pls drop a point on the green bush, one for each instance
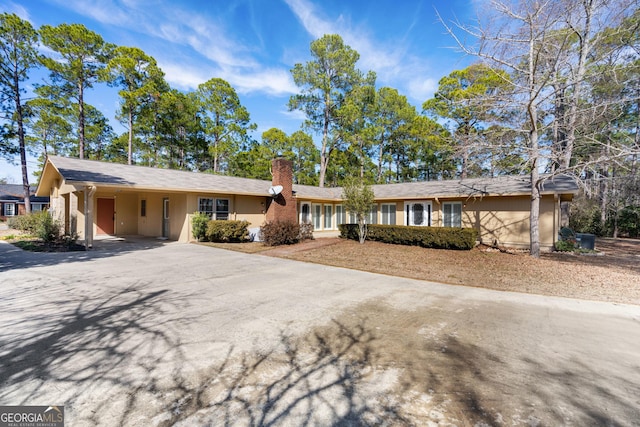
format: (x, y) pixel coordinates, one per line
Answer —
(565, 246)
(47, 229)
(280, 233)
(39, 224)
(199, 222)
(629, 221)
(227, 231)
(28, 223)
(426, 237)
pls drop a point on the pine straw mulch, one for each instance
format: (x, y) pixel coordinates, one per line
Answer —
(612, 275)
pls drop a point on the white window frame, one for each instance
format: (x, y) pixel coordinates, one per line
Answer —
(316, 216)
(36, 207)
(341, 216)
(328, 217)
(427, 212)
(5, 208)
(222, 214)
(385, 217)
(372, 216)
(304, 220)
(211, 201)
(214, 211)
(449, 218)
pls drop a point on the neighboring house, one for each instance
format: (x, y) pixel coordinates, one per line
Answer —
(12, 201)
(97, 198)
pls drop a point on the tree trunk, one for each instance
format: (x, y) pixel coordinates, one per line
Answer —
(81, 120)
(380, 154)
(324, 153)
(23, 151)
(130, 148)
(584, 50)
(532, 112)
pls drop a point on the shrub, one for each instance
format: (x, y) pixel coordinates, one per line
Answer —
(199, 222)
(47, 229)
(306, 232)
(27, 223)
(565, 246)
(280, 233)
(426, 237)
(69, 240)
(228, 231)
(39, 224)
(629, 221)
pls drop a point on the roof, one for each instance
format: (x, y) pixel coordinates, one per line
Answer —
(91, 172)
(15, 193)
(474, 187)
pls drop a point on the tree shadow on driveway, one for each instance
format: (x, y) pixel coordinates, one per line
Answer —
(375, 365)
(119, 357)
(14, 258)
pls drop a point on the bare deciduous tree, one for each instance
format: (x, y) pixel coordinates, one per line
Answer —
(545, 46)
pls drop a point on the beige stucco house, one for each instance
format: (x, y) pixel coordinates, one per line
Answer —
(97, 198)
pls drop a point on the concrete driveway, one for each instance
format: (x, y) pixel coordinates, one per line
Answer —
(153, 333)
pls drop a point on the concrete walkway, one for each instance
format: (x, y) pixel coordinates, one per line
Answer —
(157, 333)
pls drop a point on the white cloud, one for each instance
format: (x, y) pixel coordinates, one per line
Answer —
(223, 56)
(306, 13)
(421, 89)
(21, 11)
(103, 11)
(393, 65)
(270, 81)
(294, 115)
(182, 76)
(274, 82)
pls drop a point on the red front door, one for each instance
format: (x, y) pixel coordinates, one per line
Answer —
(106, 216)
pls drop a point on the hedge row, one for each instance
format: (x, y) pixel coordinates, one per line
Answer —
(227, 231)
(426, 237)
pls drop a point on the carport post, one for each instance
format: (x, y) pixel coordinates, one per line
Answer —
(89, 191)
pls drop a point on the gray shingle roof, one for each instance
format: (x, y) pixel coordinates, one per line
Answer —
(90, 172)
(76, 171)
(14, 193)
(499, 186)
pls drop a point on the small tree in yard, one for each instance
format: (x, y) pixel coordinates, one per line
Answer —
(358, 198)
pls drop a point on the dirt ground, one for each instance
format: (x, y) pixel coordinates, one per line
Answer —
(612, 275)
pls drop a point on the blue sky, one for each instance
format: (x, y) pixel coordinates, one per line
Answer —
(253, 44)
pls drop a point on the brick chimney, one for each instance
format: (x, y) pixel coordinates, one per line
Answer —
(283, 206)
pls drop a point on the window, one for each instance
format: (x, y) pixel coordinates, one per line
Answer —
(388, 213)
(452, 214)
(372, 218)
(205, 205)
(317, 217)
(9, 209)
(36, 207)
(305, 213)
(143, 207)
(341, 215)
(328, 216)
(418, 213)
(222, 209)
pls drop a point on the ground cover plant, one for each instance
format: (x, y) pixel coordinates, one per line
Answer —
(39, 232)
